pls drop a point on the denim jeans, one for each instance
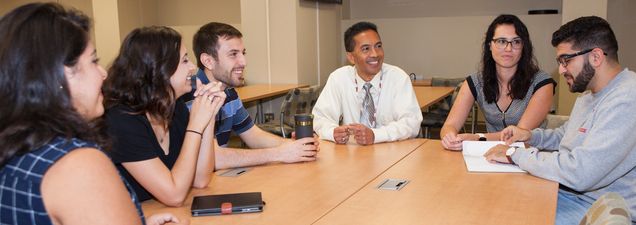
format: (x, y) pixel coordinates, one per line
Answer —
(570, 208)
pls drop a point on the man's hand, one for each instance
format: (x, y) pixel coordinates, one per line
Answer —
(362, 134)
(341, 134)
(497, 154)
(301, 150)
(513, 134)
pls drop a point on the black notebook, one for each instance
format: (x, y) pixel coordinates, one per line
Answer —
(227, 204)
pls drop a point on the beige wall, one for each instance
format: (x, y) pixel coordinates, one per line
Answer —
(620, 14)
(82, 5)
(290, 41)
(107, 40)
(330, 43)
(451, 46)
(255, 22)
(134, 14)
(447, 8)
(86, 6)
(299, 39)
(190, 12)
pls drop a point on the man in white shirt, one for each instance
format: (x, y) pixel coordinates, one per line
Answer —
(371, 101)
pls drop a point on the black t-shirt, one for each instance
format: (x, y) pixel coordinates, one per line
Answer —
(134, 140)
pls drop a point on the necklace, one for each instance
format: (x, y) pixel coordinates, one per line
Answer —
(161, 132)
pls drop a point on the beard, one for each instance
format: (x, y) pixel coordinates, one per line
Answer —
(580, 83)
(225, 77)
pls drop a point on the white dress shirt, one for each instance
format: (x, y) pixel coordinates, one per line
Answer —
(398, 115)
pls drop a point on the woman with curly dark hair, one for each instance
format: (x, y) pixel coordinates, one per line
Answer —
(51, 159)
(161, 148)
(509, 88)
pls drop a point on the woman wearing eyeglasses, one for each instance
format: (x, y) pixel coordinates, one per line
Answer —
(509, 88)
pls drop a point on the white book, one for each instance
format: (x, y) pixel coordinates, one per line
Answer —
(474, 151)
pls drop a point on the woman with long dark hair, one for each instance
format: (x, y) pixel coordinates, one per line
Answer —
(51, 159)
(161, 148)
(509, 88)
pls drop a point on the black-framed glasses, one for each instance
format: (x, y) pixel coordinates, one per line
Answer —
(564, 59)
(502, 43)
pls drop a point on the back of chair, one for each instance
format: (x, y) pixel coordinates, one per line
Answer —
(610, 208)
(447, 82)
(298, 101)
(555, 121)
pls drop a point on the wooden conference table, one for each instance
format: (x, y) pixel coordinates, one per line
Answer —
(428, 95)
(259, 92)
(339, 188)
(440, 191)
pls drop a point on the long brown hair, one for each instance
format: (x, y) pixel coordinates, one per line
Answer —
(140, 75)
(526, 67)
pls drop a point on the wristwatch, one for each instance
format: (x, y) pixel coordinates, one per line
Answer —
(482, 137)
(509, 153)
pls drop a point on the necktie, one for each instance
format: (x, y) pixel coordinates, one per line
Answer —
(367, 115)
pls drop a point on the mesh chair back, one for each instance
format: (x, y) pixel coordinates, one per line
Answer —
(555, 121)
(298, 101)
(447, 82)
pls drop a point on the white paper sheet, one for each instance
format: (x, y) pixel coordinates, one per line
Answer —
(474, 151)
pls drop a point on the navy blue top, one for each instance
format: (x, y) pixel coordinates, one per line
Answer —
(21, 180)
(231, 117)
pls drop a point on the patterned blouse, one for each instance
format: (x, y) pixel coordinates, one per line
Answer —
(21, 178)
(497, 119)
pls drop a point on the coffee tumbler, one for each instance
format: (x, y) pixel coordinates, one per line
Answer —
(304, 125)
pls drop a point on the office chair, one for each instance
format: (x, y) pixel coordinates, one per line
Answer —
(296, 101)
(436, 115)
(610, 208)
(555, 121)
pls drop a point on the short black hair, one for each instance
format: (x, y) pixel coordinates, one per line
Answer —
(588, 32)
(355, 29)
(207, 38)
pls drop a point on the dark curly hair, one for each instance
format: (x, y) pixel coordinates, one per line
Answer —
(140, 75)
(526, 67)
(36, 42)
(588, 32)
(355, 29)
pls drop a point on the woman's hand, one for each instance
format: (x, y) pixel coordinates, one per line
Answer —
(207, 102)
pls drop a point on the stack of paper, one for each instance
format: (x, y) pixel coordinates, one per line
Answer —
(476, 162)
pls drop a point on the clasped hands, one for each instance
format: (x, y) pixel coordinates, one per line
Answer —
(362, 134)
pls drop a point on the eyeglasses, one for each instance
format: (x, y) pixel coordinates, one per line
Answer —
(502, 43)
(564, 59)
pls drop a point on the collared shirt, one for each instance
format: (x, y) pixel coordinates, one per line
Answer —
(398, 114)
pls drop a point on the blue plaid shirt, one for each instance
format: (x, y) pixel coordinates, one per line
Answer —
(21, 178)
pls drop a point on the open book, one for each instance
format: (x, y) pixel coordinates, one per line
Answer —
(474, 151)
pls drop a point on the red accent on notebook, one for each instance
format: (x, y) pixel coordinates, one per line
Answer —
(226, 208)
